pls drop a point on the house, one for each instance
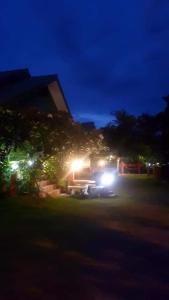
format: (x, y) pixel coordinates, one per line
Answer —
(19, 89)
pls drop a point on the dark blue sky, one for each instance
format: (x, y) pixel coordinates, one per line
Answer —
(109, 54)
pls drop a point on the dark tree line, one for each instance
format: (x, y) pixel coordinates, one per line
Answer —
(145, 137)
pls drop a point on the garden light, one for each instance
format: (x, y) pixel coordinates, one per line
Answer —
(14, 165)
(30, 163)
(76, 165)
(107, 179)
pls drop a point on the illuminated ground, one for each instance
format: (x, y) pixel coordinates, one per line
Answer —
(78, 249)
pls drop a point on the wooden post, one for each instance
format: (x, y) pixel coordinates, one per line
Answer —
(12, 188)
(118, 165)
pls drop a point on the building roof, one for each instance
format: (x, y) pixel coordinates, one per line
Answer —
(11, 77)
(19, 82)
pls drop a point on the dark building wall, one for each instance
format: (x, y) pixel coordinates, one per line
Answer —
(39, 99)
(11, 77)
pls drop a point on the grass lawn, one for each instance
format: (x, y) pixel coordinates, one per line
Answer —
(87, 249)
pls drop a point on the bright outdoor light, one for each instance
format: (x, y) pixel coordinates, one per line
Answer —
(30, 163)
(101, 163)
(76, 165)
(111, 157)
(107, 179)
(14, 165)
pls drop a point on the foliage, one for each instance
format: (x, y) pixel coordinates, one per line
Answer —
(49, 139)
(133, 137)
(163, 121)
(52, 169)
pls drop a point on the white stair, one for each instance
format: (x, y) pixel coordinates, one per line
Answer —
(46, 189)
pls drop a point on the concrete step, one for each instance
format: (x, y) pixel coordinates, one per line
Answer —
(55, 193)
(42, 194)
(48, 188)
(43, 183)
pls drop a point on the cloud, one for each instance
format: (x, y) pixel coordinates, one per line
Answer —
(108, 56)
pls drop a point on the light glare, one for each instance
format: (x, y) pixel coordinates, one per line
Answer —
(107, 179)
(101, 163)
(14, 165)
(30, 163)
(76, 165)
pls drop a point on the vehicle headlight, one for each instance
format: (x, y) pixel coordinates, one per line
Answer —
(107, 179)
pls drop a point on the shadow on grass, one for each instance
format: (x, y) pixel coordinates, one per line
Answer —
(143, 188)
(47, 254)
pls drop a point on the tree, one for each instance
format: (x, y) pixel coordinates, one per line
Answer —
(132, 137)
(14, 130)
(49, 138)
(120, 134)
(163, 121)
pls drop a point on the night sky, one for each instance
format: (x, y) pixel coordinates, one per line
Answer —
(109, 54)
